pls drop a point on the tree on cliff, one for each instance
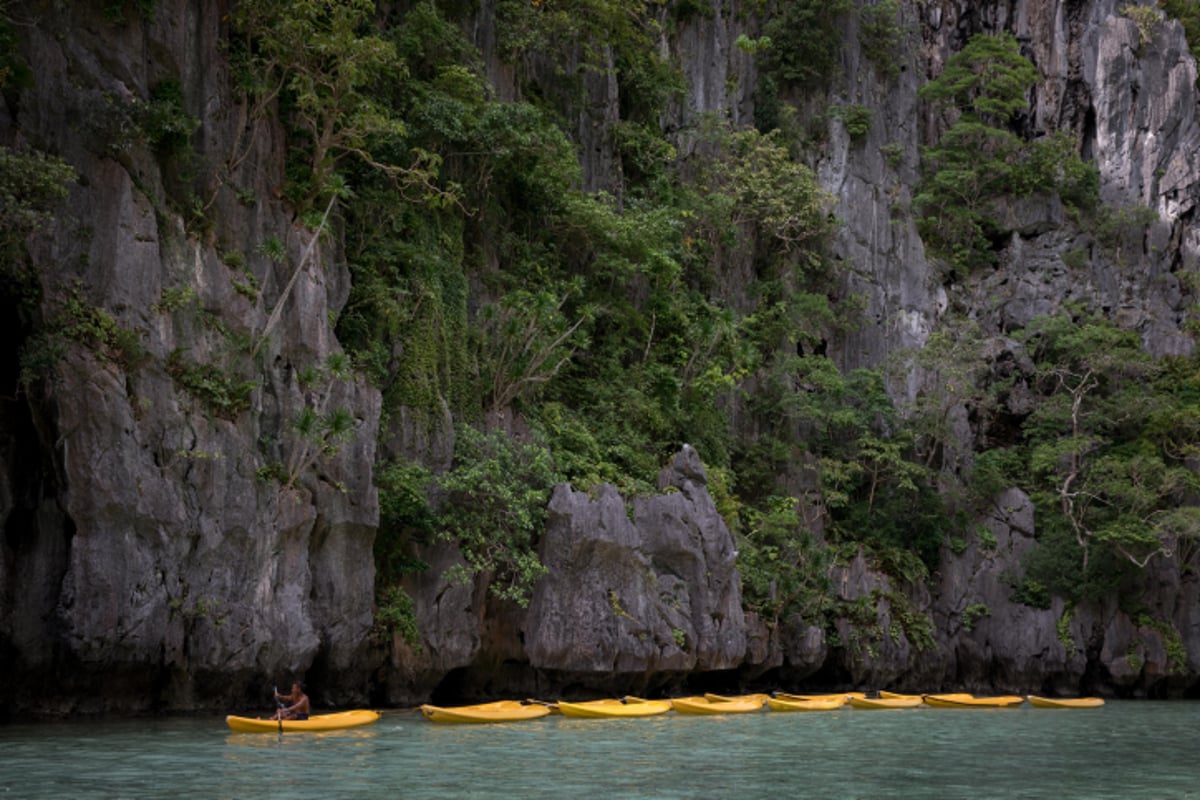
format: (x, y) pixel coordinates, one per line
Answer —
(32, 185)
(494, 507)
(980, 160)
(1109, 443)
(314, 59)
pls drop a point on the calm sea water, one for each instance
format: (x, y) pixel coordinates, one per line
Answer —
(1124, 750)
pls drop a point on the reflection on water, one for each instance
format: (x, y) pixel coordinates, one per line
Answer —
(1124, 750)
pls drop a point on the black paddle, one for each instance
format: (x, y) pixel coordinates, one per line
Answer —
(279, 703)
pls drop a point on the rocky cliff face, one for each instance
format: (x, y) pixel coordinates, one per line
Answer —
(147, 560)
(1130, 104)
(170, 542)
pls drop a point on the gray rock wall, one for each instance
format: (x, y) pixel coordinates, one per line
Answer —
(161, 570)
(655, 591)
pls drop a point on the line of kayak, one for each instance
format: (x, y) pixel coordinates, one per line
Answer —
(627, 707)
(516, 710)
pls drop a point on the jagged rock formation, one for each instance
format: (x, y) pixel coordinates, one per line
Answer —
(627, 595)
(152, 560)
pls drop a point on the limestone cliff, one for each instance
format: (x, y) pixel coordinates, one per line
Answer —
(149, 562)
(173, 541)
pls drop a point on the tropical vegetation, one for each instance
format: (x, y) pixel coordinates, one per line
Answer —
(581, 328)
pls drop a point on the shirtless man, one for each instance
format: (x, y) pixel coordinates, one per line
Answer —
(297, 703)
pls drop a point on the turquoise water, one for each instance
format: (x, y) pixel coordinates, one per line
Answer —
(1124, 750)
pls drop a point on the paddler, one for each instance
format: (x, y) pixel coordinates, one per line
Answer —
(296, 701)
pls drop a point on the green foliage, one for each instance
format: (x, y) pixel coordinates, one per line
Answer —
(32, 187)
(14, 70)
(40, 355)
(405, 518)
(881, 34)
(524, 340)
(1145, 17)
(954, 369)
(1107, 490)
(614, 602)
(405, 323)
(873, 490)
(856, 118)
(319, 431)
(80, 321)
(770, 113)
(752, 46)
(167, 126)
(321, 60)
(893, 154)
(600, 322)
(756, 181)
(1132, 657)
(1188, 14)
(1076, 259)
(1121, 228)
(587, 27)
(994, 471)
(1103, 456)
(590, 450)
(784, 570)
(979, 161)
(273, 249)
(646, 156)
(1176, 650)
(916, 625)
(805, 41)
(862, 615)
(631, 280)
(987, 539)
(202, 608)
(494, 506)
(403, 509)
(680, 637)
(1030, 592)
(972, 614)
(174, 298)
(224, 394)
(395, 613)
(1051, 164)
(1064, 633)
(988, 81)
(248, 287)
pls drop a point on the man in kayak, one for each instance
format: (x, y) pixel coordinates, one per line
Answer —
(297, 703)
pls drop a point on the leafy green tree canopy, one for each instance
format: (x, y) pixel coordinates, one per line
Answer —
(988, 79)
(980, 160)
(1100, 465)
(494, 507)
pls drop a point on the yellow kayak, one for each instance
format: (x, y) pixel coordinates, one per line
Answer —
(317, 722)
(898, 696)
(970, 701)
(499, 711)
(885, 702)
(716, 704)
(1065, 702)
(814, 704)
(825, 696)
(609, 708)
